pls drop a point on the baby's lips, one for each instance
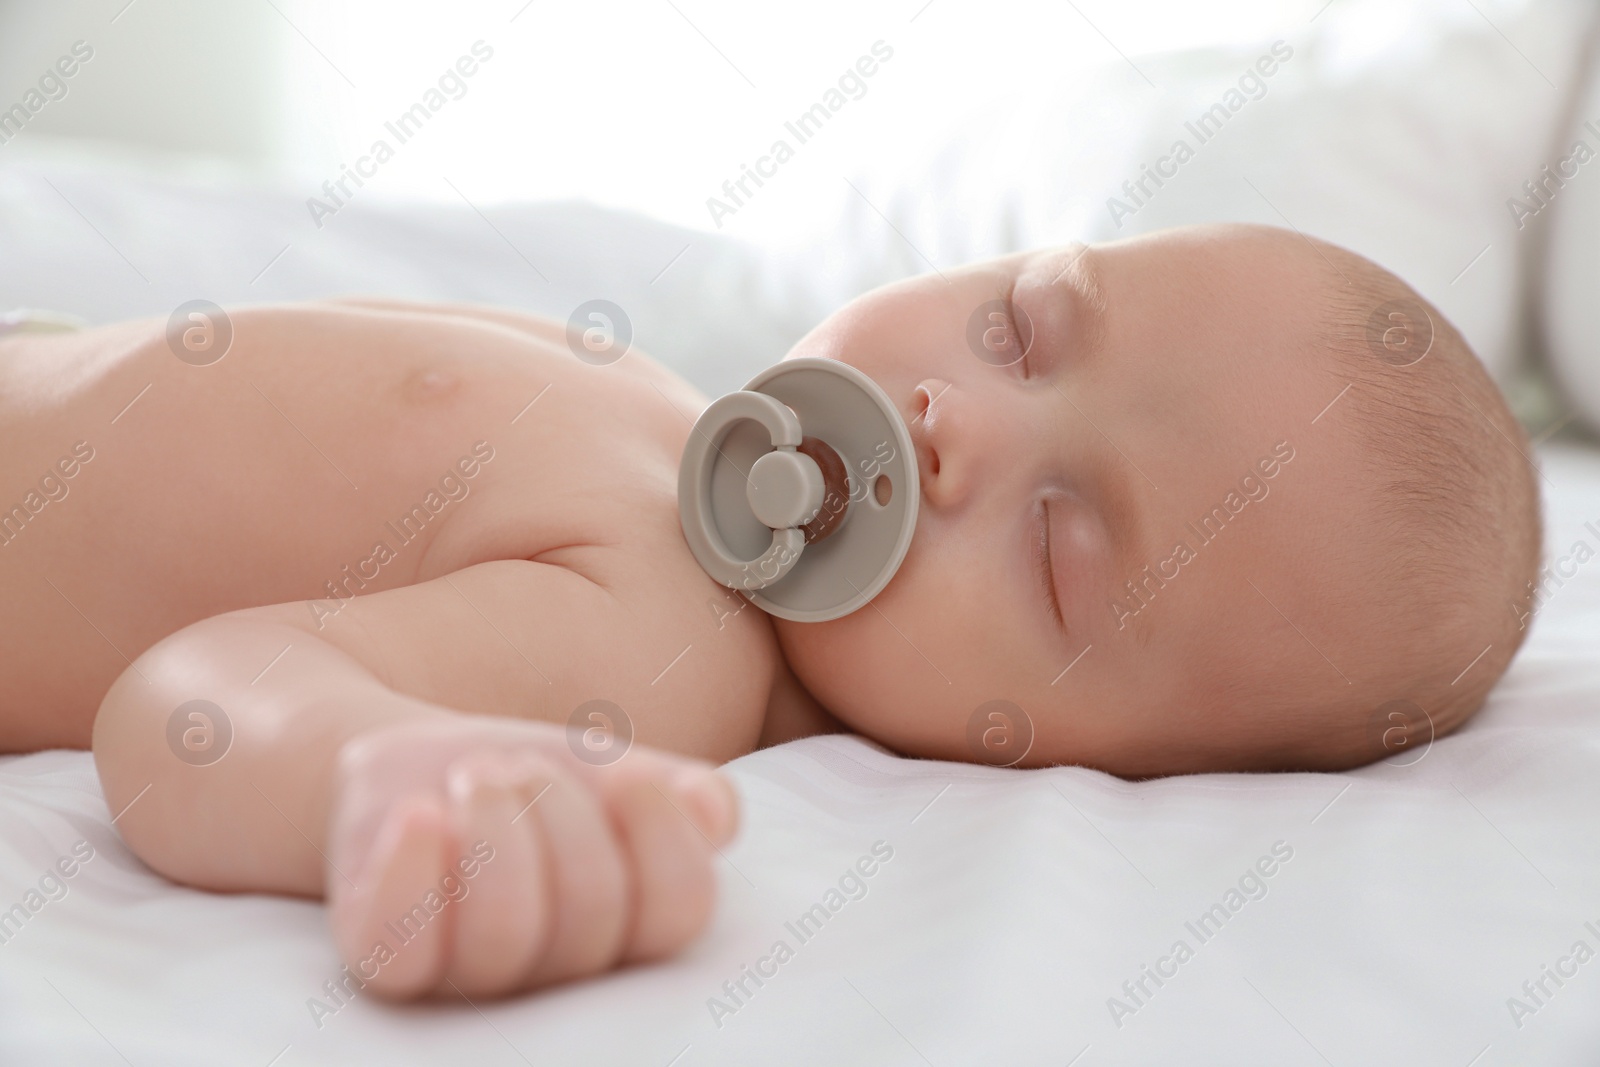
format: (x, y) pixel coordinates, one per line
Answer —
(709, 800)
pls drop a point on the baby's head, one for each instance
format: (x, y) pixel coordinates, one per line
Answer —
(1245, 502)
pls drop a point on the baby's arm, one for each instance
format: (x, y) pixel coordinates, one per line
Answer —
(349, 772)
(673, 388)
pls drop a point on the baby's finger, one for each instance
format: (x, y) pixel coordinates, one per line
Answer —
(384, 929)
(504, 912)
(592, 886)
(671, 860)
(701, 792)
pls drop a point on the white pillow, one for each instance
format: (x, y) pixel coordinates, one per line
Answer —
(1569, 273)
(1395, 130)
(107, 237)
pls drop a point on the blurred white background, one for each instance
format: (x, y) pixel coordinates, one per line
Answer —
(649, 104)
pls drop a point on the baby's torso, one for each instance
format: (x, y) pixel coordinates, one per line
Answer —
(332, 451)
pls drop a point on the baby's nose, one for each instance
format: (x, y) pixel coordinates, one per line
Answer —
(927, 393)
(936, 433)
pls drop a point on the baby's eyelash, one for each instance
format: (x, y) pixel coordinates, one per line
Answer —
(1016, 336)
(1023, 339)
(1041, 561)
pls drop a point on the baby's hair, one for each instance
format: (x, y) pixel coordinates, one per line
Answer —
(1454, 507)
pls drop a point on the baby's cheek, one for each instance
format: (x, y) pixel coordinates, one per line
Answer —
(823, 656)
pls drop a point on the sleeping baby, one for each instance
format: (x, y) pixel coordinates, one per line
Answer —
(351, 598)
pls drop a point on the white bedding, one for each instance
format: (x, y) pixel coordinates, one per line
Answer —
(1416, 901)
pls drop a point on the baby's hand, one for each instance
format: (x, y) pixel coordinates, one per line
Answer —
(482, 857)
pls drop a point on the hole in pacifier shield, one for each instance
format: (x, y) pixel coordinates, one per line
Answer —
(1399, 729)
(199, 732)
(1400, 332)
(199, 333)
(999, 733)
(599, 732)
(999, 333)
(599, 332)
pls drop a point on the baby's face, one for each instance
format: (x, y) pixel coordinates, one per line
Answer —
(1080, 415)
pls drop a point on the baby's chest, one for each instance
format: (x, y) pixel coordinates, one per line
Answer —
(568, 461)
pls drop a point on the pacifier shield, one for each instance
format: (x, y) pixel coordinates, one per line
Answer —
(843, 556)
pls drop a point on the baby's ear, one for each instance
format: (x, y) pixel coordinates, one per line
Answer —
(1399, 728)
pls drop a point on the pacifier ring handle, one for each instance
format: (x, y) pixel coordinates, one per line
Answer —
(694, 486)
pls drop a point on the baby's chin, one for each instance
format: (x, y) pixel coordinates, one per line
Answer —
(837, 671)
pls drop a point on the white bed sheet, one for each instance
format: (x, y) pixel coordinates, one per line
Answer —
(1417, 900)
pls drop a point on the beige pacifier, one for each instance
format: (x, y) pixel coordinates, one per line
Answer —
(801, 490)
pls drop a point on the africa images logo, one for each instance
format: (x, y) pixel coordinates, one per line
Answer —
(805, 126)
(1141, 590)
(1203, 128)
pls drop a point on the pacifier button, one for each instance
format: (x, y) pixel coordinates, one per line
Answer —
(785, 489)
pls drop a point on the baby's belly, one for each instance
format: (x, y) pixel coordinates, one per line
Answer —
(329, 453)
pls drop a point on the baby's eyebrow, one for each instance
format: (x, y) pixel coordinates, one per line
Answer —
(1078, 275)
